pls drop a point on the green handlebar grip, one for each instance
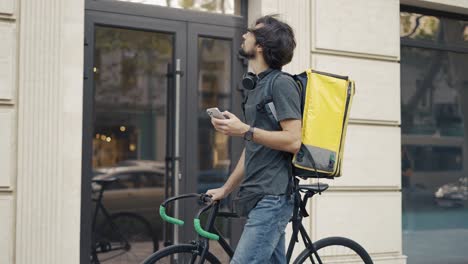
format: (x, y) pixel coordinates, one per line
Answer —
(203, 233)
(165, 217)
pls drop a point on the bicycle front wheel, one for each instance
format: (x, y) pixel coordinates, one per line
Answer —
(179, 254)
(335, 250)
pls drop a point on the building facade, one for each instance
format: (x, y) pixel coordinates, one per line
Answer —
(94, 89)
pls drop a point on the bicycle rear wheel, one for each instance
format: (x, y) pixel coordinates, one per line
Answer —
(130, 241)
(335, 250)
(179, 254)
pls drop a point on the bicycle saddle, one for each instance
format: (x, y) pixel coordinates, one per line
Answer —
(315, 187)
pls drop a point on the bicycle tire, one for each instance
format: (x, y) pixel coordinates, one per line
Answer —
(182, 252)
(328, 254)
(137, 232)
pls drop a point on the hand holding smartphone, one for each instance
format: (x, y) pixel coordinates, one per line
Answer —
(214, 112)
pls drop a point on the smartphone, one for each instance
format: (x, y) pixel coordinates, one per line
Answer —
(214, 112)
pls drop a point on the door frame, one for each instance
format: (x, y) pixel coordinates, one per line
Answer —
(156, 19)
(93, 19)
(168, 13)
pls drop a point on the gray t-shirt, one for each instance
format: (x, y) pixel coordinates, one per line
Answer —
(267, 170)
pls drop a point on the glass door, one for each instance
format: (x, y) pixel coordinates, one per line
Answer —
(214, 71)
(155, 142)
(132, 125)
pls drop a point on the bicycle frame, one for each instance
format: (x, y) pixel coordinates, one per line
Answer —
(202, 243)
(211, 227)
(298, 227)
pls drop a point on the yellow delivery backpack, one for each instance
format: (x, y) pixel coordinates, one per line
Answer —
(325, 103)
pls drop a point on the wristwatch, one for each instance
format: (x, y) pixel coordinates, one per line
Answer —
(249, 134)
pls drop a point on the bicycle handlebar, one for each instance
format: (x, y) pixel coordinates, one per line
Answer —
(170, 219)
(203, 233)
(196, 221)
(165, 217)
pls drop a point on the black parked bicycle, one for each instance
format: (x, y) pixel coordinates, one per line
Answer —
(122, 237)
(326, 250)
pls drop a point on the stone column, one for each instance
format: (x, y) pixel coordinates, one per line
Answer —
(50, 88)
(8, 114)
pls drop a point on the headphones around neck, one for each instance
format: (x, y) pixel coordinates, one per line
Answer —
(249, 80)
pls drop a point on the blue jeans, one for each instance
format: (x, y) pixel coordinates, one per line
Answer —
(263, 238)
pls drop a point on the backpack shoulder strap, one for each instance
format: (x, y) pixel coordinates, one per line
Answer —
(267, 102)
(271, 82)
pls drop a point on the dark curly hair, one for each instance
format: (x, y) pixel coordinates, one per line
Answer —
(277, 40)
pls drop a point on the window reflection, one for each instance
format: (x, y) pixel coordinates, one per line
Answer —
(420, 27)
(465, 32)
(214, 89)
(228, 7)
(130, 95)
(435, 158)
(430, 98)
(130, 84)
(434, 168)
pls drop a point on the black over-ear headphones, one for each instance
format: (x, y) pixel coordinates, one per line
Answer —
(249, 80)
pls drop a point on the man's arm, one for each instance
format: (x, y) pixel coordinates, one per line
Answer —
(288, 139)
(237, 175)
(233, 181)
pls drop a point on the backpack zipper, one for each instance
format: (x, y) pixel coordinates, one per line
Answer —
(348, 98)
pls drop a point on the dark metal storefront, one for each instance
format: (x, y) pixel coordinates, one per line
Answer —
(150, 73)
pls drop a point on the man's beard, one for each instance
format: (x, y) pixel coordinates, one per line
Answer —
(247, 54)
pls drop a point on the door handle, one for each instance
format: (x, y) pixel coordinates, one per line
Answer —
(178, 74)
(177, 174)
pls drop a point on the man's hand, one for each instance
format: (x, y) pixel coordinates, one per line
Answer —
(231, 127)
(217, 194)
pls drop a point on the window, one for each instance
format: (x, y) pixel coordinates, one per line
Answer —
(214, 90)
(227, 7)
(434, 109)
(428, 28)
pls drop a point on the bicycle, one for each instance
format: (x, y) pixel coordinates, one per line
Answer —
(325, 250)
(122, 237)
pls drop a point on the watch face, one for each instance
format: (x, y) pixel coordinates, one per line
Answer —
(249, 134)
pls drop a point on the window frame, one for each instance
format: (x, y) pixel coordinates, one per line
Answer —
(169, 13)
